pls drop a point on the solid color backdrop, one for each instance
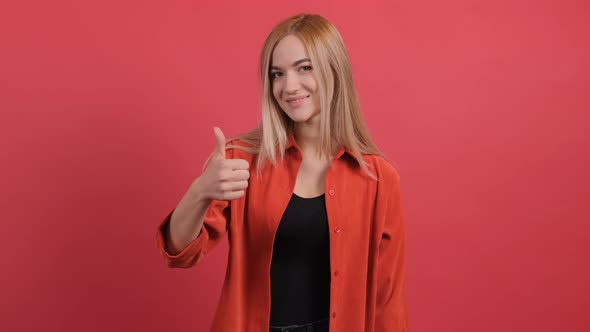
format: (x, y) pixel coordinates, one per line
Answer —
(107, 109)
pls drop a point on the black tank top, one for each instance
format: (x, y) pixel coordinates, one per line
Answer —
(300, 267)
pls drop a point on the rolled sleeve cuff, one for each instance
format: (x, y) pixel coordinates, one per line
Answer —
(190, 255)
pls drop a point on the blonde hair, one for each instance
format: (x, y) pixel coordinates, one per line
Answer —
(341, 121)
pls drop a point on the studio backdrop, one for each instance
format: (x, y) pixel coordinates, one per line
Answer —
(106, 117)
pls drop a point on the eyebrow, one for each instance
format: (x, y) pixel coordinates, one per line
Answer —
(296, 63)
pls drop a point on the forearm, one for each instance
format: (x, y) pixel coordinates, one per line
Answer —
(186, 220)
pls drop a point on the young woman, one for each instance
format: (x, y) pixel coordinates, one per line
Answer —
(316, 233)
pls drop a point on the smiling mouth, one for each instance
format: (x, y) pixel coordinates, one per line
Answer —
(297, 102)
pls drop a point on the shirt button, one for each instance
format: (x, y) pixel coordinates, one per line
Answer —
(333, 315)
(338, 230)
(331, 192)
(336, 273)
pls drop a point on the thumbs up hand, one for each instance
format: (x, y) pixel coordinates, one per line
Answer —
(222, 179)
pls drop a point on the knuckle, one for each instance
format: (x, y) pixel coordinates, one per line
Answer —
(225, 175)
(219, 187)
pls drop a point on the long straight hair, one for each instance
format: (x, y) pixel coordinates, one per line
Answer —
(341, 121)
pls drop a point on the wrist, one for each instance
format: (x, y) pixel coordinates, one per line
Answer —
(197, 194)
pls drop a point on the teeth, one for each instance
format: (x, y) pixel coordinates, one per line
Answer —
(290, 101)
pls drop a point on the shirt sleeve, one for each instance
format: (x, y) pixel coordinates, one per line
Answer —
(391, 308)
(214, 228)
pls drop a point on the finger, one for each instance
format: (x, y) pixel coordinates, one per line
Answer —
(236, 164)
(239, 185)
(206, 163)
(240, 175)
(233, 185)
(231, 195)
(219, 142)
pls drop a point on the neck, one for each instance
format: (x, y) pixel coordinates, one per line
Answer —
(307, 135)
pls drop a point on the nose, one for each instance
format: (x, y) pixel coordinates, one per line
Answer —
(292, 83)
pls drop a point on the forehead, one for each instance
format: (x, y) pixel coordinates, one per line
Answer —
(288, 50)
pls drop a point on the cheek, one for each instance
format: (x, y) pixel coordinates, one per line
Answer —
(312, 84)
(276, 92)
(312, 87)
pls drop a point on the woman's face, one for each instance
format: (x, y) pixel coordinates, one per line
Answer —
(293, 80)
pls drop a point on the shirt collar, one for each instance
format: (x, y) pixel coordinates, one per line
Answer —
(291, 142)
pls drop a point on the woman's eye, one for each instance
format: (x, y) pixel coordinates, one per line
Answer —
(275, 74)
(306, 68)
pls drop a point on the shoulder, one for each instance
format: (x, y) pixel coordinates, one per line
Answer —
(238, 149)
(237, 142)
(383, 169)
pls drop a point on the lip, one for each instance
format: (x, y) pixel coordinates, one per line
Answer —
(296, 102)
(290, 99)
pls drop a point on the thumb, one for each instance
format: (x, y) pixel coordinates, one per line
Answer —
(219, 143)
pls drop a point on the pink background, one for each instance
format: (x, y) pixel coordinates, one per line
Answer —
(106, 116)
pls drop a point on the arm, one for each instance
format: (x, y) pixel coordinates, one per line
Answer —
(201, 218)
(391, 308)
(191, 230)
(186, 220)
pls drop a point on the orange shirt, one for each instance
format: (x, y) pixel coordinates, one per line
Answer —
(367, 243)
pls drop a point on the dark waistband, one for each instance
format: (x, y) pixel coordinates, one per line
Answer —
(309, 327)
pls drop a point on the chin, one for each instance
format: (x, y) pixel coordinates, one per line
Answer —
(300, 115)
(298, 118)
